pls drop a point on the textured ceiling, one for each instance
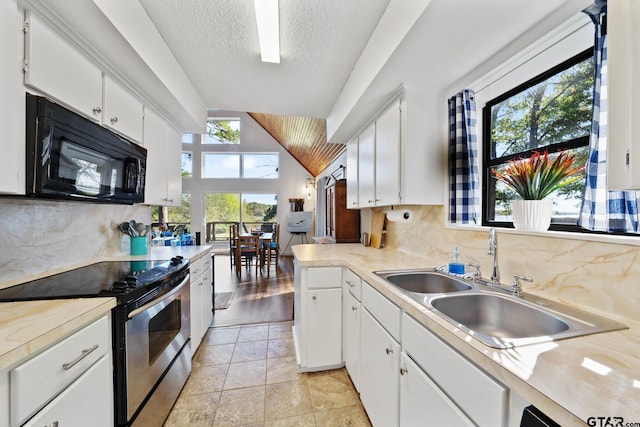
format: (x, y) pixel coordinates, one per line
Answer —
(216, 42)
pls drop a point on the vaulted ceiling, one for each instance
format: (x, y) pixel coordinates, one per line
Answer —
(341, 59)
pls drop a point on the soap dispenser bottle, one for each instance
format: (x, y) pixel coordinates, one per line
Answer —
(455, 266)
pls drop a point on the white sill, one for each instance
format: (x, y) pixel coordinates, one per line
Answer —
(601, 238)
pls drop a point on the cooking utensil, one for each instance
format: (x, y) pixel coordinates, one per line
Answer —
(133, 232)
(124, 227)
(141, 229)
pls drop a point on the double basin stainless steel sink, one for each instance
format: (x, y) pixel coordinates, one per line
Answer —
(491, 314)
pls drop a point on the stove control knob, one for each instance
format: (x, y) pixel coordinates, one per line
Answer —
(119, 284)
(176, 260)
(131, 281)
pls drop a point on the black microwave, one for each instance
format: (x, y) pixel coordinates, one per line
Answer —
(72, 158)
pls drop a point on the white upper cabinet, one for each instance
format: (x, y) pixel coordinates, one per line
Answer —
(163, 185)
(623, 160)
(58, 69)
(352, 174)
(388, 156)
(400, 154)
(11, 102)
(122, 111)
(366, 166)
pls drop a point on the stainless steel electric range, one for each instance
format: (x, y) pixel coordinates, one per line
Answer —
(150, 323)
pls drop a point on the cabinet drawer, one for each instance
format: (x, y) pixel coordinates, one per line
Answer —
(352, 282)
(86, 402)
(324, 277)
(199, 267)
(479, 395)
(385, 312)
(38, 380)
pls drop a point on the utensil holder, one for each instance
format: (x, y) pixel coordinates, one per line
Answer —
(139, 245)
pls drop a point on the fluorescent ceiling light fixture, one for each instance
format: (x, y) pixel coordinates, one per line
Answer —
(268, 21)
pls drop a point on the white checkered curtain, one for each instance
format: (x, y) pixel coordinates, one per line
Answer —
(603, 210)
(464, 180)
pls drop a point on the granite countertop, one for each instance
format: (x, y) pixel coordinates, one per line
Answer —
(570, 380)
(30, 326)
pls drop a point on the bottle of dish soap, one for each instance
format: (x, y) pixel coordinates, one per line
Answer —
(455, 266)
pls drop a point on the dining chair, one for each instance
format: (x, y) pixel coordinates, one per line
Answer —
(247, 251)
(270, 250)
(233, 237)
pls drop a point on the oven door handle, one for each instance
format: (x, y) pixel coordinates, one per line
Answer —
(160, 300)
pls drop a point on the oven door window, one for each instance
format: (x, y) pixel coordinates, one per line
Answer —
(163, 328)
(90, 172)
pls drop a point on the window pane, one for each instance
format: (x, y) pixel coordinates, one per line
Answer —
(557, 109)
(221, 209)
(187, 138)
(258, 209)
(187, 164)
(180, 215)
(220, 165)
(221, 131)
(260, 166)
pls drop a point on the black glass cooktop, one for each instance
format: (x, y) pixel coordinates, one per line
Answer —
(123, 279)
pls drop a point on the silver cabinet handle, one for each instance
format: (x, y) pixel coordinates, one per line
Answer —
(114, 120)
(96, 110)
(85, 353)
(350, 283)
(403, 371)
(388, 350)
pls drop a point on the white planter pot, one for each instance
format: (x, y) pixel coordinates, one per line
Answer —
(532, 215)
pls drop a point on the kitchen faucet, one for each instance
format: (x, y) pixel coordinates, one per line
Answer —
(493, 250)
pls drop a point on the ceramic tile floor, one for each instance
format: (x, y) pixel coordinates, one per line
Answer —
(247, 376)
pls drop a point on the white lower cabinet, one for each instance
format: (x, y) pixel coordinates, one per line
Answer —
(483, 399)
(200, 272)
(317, 318)
(422, 402)
(83, 403)
(68, 384)
(351, 309)
(379, 367)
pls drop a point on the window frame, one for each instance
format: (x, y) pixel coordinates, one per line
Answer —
(488, 198)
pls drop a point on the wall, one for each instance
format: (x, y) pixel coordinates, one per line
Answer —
(598, 276)
(40, 236)
(253, 139)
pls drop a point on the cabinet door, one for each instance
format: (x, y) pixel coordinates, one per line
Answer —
(174, 167)
(122, 111)
(380, 359)
(12, 109)
(366, 166)
(623, 28)
(422, 402)
(86, 402)
(351, 336)
(155, 140)
(387, 156)
(196, 315)
(324, 327)
(206, 283)
(57, 68)
(352, 174)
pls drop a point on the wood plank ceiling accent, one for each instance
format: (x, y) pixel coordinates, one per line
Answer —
(305, 138)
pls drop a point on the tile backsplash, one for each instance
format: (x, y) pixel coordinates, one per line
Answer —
(600, 277)
(40, 236)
